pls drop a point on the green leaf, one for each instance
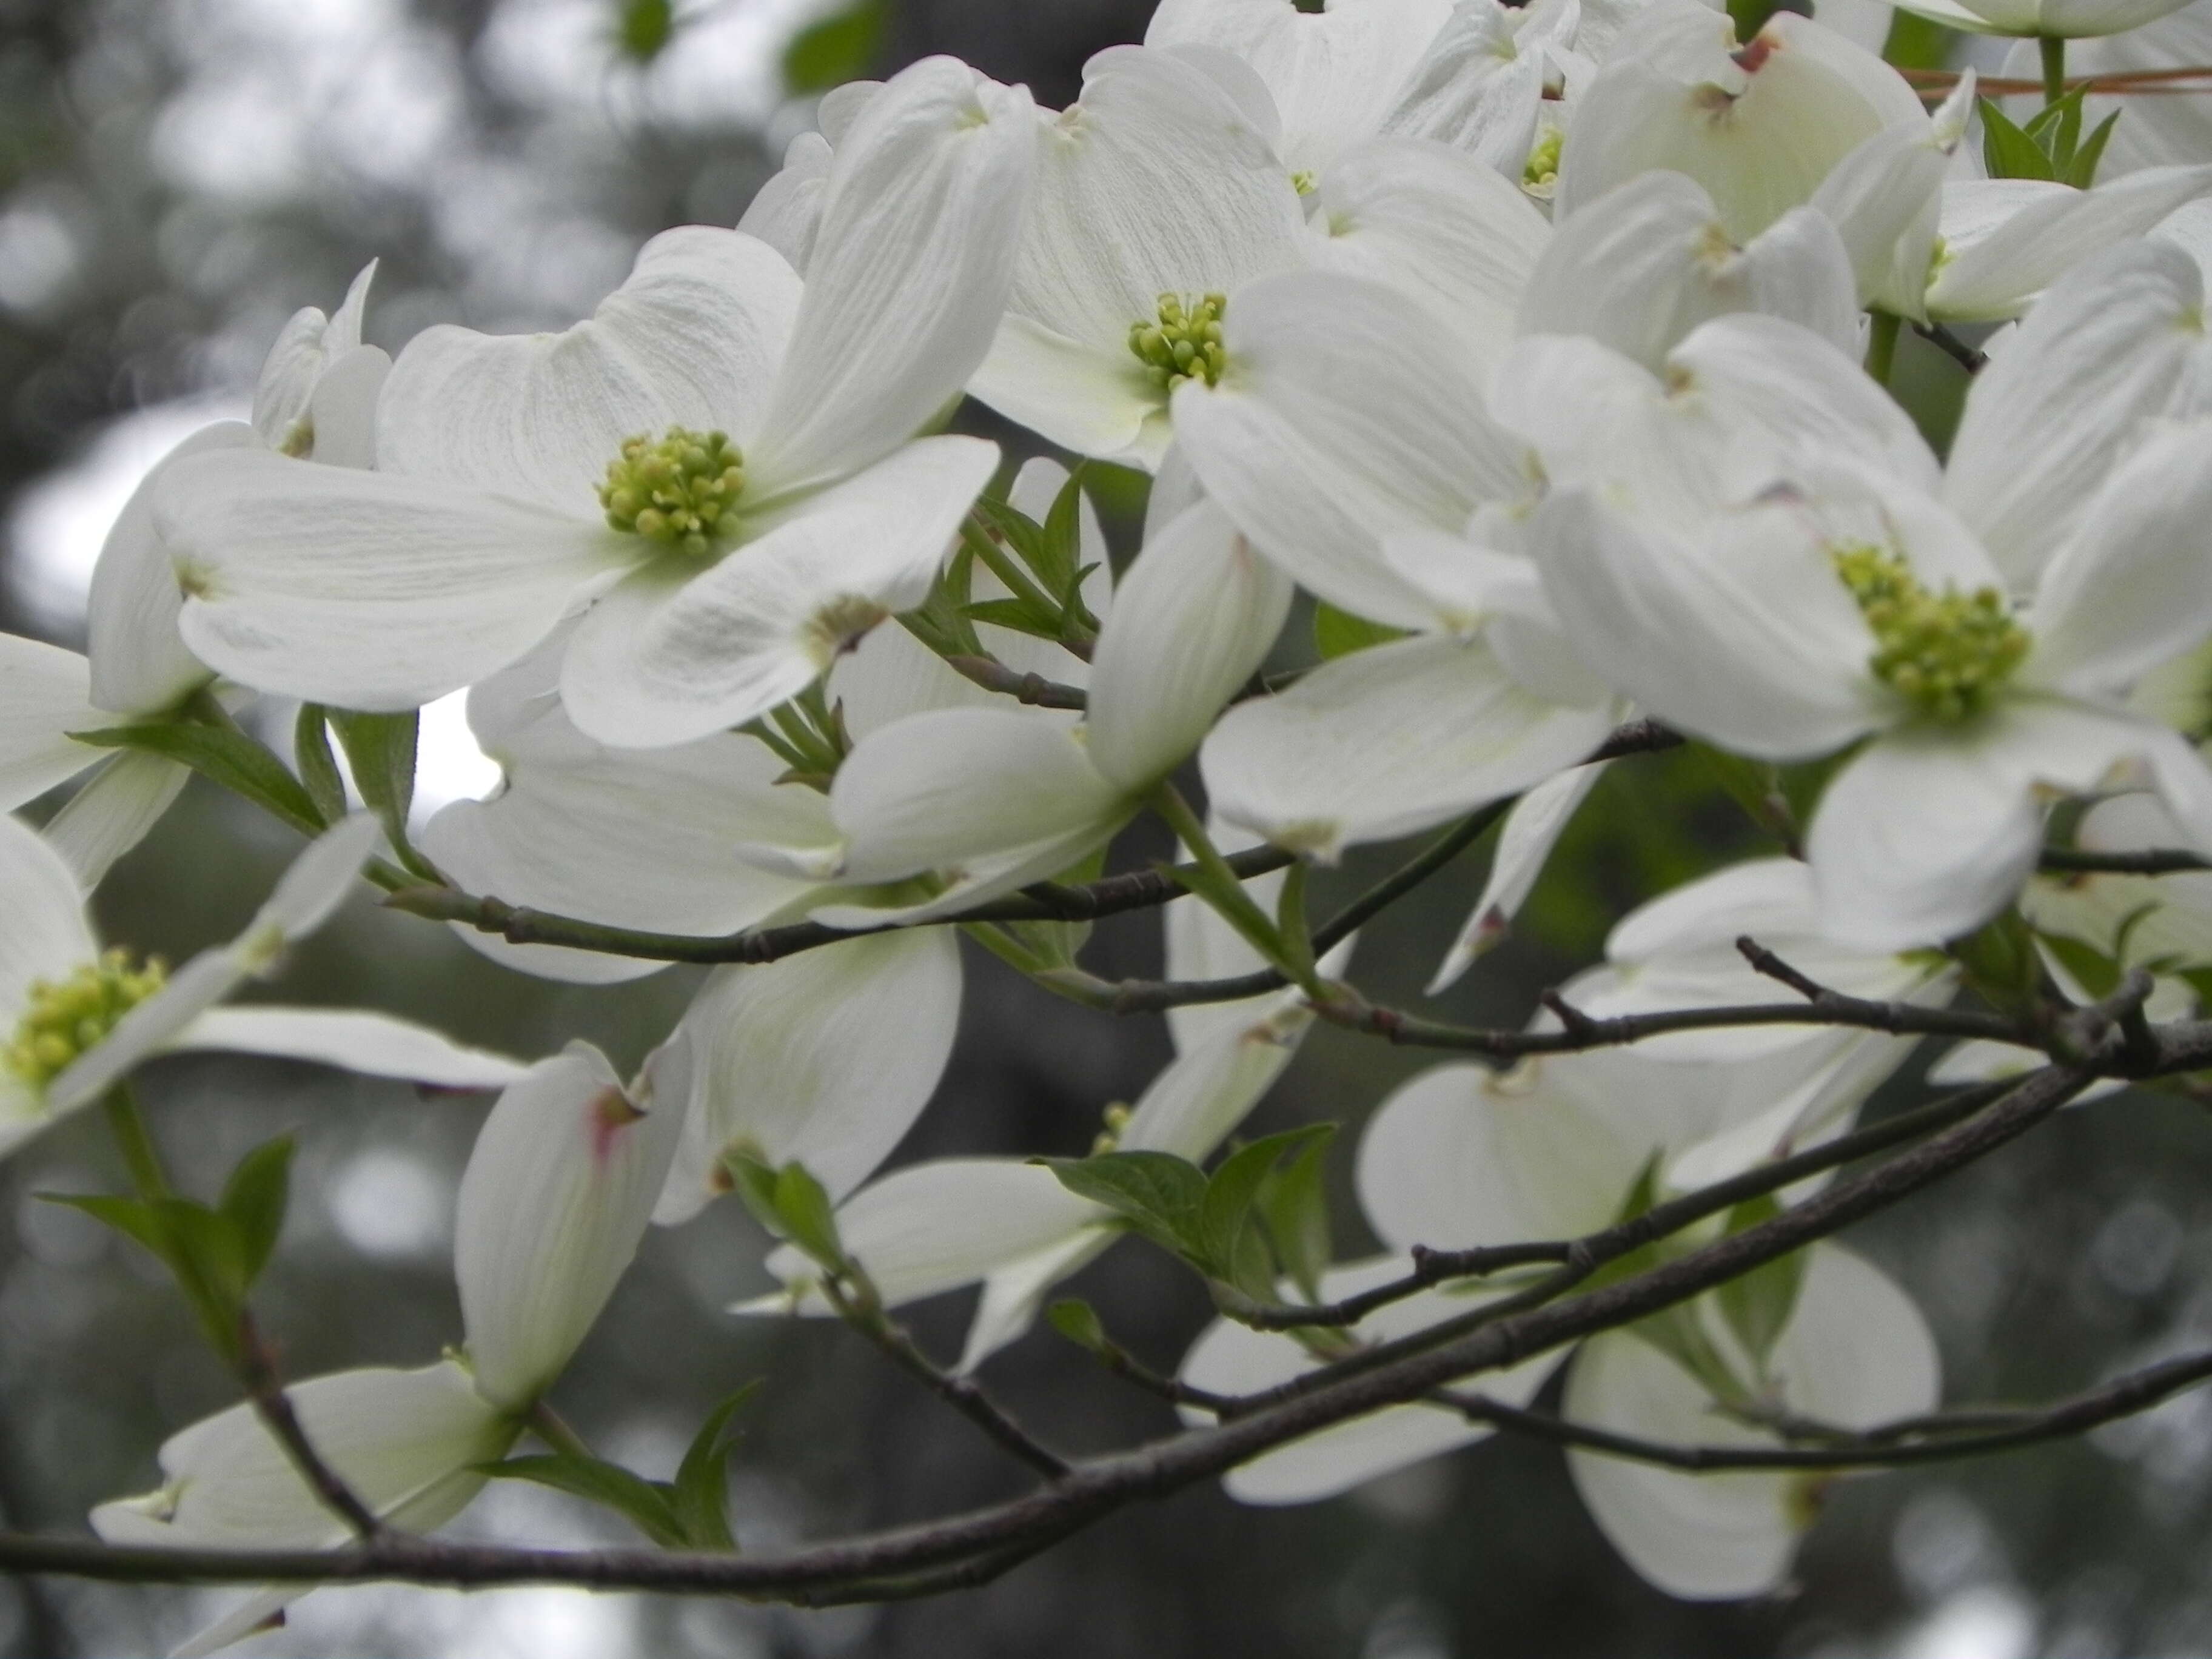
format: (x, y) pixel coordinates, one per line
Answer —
(2097, 973)
(2057, 129)
(1079, 1322)
(319, 766)
(1230, 1194)
(809, 1219)
(2008, 152)
(1339, 633)
(1156, 1193)
(701, 1488)
(1063, 551)
(380, 749)
(130, 1217)
(647, 1504)
(1916, 42)
(1758, 1304)
(2081, 173)
(226, 755)
(1293, 1206)
(253, 1202)
(1020, 615)
(644, 28)
(2001, 962)
(841, 47)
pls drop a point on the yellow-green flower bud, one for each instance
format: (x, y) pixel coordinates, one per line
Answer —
(1541, 175)
(682, 490)
(65, 1017)
(1948, 654)
(1183, 342)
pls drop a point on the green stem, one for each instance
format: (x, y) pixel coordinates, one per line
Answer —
(125, 1123)
(1882, 344)
(1223, 889)
(550, 1426)
(2053, 48)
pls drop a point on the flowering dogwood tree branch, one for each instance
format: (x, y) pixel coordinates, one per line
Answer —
(1492, 1337)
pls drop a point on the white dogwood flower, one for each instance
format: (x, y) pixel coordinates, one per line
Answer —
(557, 1192)
(1460, 1157)
(1010, 1224)
(1759, 551)
(79, 1018)
(722, 459)
(1161, 194)
(2044, 19)
(1353, 448)
(985, 800)
(316, 399)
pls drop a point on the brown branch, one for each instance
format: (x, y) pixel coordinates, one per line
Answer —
(1140, 889)
(1579, 1031)
(1045, 901)
(1353, 1387)
(1936, 1437)
(864, 1312)
(1432, 1267)
(257, 1370)
(2161, 862)
(1032, 688)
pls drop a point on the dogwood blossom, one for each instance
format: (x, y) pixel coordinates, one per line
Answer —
(80, 1018)
(557, 1192)
(1879, 612)
(722, 460)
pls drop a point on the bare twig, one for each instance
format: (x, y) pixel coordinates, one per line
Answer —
(256, 1371)
(1938, 1437)
(1046, 901)
(2162, 861)
(864, 1313)
(1032, 688)
(964, 1546)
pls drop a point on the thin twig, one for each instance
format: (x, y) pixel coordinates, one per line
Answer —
(1353, 1387)
(1936, 1437)
(864, 1313)
(1580, 1032)
(2162, 861)
(1032, 688)
(1953, 347)
(256, 1371)
(1140, 889)
(1432, 1267)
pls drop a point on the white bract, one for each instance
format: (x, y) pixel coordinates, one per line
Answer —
(80, 1019)
(1460, 1157)
(316, 399)
(1352, 448)
(722, 461)
(1011, 1225)
(2047, 20)
(1760, 551)
(1162, 194)
(557, 1194)
(985, 800)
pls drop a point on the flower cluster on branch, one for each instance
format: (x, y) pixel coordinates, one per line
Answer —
(1539, 355)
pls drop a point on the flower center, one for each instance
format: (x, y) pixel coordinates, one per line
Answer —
(1184, 343)
(681, 491)
(65, 1017)
(1541, 176)
(1948, 653)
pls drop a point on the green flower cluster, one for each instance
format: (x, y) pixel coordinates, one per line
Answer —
(1946, 653)
(682, 491)
(66, 1016)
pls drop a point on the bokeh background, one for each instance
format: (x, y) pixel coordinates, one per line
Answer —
(176, 176)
